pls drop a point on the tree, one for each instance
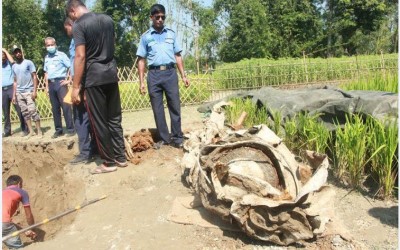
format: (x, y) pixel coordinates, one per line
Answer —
(359, 26)
(55, 17)
(296, 26)
(24, 25)
(131, 20)
(248, 35)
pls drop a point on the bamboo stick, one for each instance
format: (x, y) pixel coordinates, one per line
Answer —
(52, 218)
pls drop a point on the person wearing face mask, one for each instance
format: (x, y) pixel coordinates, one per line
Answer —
(56, 64)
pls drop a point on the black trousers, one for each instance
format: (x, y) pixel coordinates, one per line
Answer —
(158, 83)
(7, 94)
(104, 109)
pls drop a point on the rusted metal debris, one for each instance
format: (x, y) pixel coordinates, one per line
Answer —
(249, 177)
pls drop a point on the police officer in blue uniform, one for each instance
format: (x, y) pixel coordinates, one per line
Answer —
(159, 46)
(56, 64)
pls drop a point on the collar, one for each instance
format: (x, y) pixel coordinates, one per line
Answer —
(13, 186)
(152, 30)
(53, 55)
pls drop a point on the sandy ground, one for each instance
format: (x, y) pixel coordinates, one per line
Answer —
(140, 198)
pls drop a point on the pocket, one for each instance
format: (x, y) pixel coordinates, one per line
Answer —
(169, 40)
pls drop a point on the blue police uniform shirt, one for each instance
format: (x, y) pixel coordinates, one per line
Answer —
(56, 65)
(158, 48)
(7, 74)
(72, 56)
(23, 74)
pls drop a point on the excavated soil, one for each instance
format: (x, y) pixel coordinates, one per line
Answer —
(139, 198)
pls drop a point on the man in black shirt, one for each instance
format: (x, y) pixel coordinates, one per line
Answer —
(96, 68)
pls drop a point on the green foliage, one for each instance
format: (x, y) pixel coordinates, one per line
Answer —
(306, 132)
(131, 20)
(54, 15)
(267, 72)
(24, 25)
(380, 81)
(360, 26)
(255, 115)
(384, 141)
(248, 35)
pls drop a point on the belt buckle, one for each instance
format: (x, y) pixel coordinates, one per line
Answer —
(163, 67)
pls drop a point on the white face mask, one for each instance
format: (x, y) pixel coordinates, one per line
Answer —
(51, 49)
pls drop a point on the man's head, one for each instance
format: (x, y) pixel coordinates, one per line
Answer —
(157, 16)
(17, 52)
(50, 44)
(14, 180)
(68, 26)
(75, 9)
(4, 58)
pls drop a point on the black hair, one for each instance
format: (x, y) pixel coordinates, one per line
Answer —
(73, 4)
(68, 21)
(157, 8)
(13, 180)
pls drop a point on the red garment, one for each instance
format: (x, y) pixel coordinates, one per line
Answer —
(12, 196)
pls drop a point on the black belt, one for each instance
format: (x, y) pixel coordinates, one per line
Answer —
(162, 67)
(7, 87)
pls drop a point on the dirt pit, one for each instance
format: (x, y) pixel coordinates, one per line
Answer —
(140, 198)
(51, 189)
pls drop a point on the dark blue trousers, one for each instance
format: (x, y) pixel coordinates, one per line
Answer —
(158, 83)
(57, 94)
(6, 105)
(86, 141)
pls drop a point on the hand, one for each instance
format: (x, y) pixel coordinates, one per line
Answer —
(31, 234)
(34, 95)
(14, 100)
(186, 81)
(76, 99)
(142, 89)
(64, 82)
(47, 91)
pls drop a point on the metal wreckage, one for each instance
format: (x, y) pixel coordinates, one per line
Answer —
(249, 177)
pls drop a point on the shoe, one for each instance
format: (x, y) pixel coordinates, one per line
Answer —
(159, 144)
(56, 135)
(6, 134)
(70, 134)
(24, 133)
(177, 145)
(79, 159)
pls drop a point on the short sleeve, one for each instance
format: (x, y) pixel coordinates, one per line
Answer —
(45, 67)
(78, 34)
(177, 48)
(25, 198)
(142, 51)
(32, 67)
(66, 61)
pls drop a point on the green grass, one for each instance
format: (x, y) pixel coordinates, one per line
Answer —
(380, 81)
(255, 73)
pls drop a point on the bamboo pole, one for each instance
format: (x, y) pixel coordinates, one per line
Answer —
(53, 218)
